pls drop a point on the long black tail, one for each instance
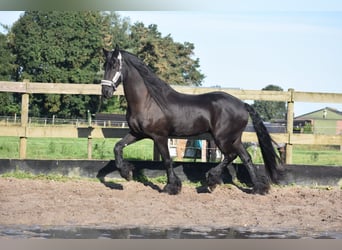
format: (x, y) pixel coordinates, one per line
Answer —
(271, 158)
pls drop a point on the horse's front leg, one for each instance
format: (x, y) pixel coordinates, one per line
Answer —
(174, 184)
(125, 168)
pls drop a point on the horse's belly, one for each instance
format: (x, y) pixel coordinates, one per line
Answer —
(189, 127)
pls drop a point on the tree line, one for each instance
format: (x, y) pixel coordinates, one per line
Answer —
(66, 47)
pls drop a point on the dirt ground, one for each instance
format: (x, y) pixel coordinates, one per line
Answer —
(133, 204)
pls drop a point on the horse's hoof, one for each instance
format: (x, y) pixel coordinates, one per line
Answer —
(126, 174)
(101, 179)
(211, 188)
(212, 181)
(173, 189)
(261, 189)
(126, 171)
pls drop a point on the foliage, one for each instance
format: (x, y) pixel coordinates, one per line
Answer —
(8, 104)
(270, 110)
(66, 47)
(116, 30)
(114, 105)
(8, 101)
(170, 60)
(7, 59)
(58, 47)
(308, 128)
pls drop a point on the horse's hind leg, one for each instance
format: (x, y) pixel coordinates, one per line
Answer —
(214, 175)
(260, 181)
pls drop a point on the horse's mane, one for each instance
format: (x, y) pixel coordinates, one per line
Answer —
(157, 88)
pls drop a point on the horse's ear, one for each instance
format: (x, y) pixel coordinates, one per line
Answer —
(116, 51)
(105, 52)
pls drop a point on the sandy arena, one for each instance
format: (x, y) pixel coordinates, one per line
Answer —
(132, 204)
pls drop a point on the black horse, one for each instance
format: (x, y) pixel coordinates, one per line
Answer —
(157, 111)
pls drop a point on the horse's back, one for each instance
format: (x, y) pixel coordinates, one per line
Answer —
(228, 108)
(194, 114)
(206, 98)
(224, 103)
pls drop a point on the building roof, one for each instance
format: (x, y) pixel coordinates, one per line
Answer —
(324, 113)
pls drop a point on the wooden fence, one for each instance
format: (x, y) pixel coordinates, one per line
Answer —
(289, 138)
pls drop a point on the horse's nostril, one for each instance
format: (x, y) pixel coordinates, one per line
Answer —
(107, 93)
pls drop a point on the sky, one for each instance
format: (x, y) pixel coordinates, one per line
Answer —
(252, 49)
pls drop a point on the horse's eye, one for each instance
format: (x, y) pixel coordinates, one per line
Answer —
(115, 63)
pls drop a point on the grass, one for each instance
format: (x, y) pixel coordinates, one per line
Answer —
(308, 155)
(317, 155)
(9, 147)
(19, 174)
(62, 148)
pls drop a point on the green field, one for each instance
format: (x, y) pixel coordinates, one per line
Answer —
(59, 148)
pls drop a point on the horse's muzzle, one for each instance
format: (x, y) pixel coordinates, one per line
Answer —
(108, 88)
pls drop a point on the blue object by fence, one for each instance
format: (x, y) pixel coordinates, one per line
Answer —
(193, 149)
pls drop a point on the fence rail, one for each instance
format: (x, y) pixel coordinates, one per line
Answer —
(43, 122)
(25, 131)
(95, 89)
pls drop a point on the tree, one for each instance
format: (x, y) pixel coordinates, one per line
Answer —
(116, 30)
(8, 101)
(170, 60)
(66, 47)
(59, 47)
(6, 59)
(270, 110)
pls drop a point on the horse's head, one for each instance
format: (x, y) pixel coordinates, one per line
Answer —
(112, 75)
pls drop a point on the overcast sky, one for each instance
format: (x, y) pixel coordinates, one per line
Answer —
(249, 50)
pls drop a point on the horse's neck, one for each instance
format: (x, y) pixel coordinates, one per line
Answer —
(135, 90)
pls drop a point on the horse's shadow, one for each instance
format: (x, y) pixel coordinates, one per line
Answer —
(103, 172)
(193, 176)
(152, 185)
(112, 185)
(137, 176)
(204, 188)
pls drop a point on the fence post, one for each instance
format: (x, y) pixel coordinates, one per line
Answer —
(289, 127)
(24, 121)
(89, 118)
(90, 148)
(204, 151)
